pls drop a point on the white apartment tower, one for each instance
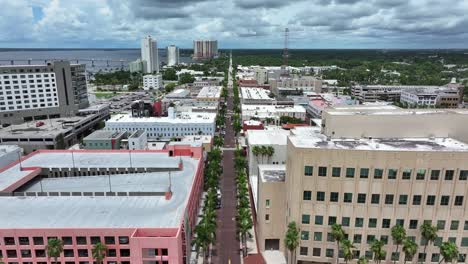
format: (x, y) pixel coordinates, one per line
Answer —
(149, 54)
(172, 55)
(205, 49)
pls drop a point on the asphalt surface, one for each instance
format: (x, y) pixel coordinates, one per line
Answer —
(227, 248)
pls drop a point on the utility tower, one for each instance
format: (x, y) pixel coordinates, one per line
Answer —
(285, 53)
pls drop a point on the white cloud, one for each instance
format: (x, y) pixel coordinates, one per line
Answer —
(239, 23)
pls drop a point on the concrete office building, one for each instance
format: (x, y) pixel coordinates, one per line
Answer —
(103, 139)
(210, 93)
(261, 75)
(296, 85)
(431, 97)
(272, 113)
(138, 140)
(174, 125)
(152, 82)
(205, 49)
(256, 96)
(143, 205)
(363, 172)
(33, 92)
(172, 55)
(149, 55)
(391, 93)
(137, 66)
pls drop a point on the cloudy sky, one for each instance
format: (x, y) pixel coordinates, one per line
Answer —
(235, 23)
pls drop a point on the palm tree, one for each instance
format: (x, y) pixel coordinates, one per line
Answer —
(379, 253)
(338, 235)
(448, 251)
(245, 223)
(429, 233)
(348, 249)
(398, 233)
(292, 240)
(409, 248)
(99, 252)
(270, 151)
(263, 151)
(54, 248)
(205, 235)
(362, 260)
(256, 152)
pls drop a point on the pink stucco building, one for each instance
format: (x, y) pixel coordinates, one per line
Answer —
(141, 204)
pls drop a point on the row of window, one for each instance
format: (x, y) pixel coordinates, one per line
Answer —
(357, 239)
(67, 253)
(391, 174)
(67, 240)
(22, 76)
(385, 223)
(395, 256)
(361, 198)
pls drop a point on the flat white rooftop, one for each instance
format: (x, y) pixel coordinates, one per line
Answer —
(210, 92)
(251, 93)
(272, 108)
(268, 137)
(180, 118)
(272, 173)
(313, 139)
(386, 110)
(100, 211)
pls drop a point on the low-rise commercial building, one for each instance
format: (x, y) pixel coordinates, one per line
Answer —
(143, 205)
(322, 101)
(152, 82)
(103, 139)
(175, 125)
(431, 97)
(256, 96)
(210, 93)
(272, 113)
(138, 140)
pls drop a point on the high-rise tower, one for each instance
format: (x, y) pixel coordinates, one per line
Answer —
(149, 54)
(172, 55)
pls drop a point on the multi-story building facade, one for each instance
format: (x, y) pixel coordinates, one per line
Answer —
(210, 93)
(149, 55)
(442, 97)
(172, 55)
(130, 204)
(152, 82)
(174, 125)
(32, 92)
(272, 113)
(205, 49)
(102, 139)
(137, 66)
(368, 178)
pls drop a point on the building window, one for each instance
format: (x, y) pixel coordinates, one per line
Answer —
(463, 175)
(320, 196)
(329, 252)
(81, 240)
(413, 224)
(24, 240)
(267, 217)
(364, 173)
(109, 240)
(395, 256)
(464, 242)
(82, 252)
(435, 175)
(350, 172)
(359, 222)
(316, 252)
(444, 200)
(449, 175)
(308, 170)
(330, 237)
(384, 239)
(267, 203)
(361, 198)
(458, 200)
(9, 241)
(406, 174)
(317, 236)
(331, 220)
(370, 239)
(307, 195)
(336, 172)
(392, 174)
(417, 199)
(357, 238)
(306, 219)
(375, 198)
(345, 221)
(378, 173)
(304, 235)
(441, 224)
(454, 225)
(334, 196)
(403, 199)
(303, 251)
(348, 198)
(386, 223)
(420, 174)
(435, 257)
(372, 222)
(422, 257)
(430, 200)
(319, 220)
(389, 198)
(322, 171)
(38, 241)
(123, 240)
(67, 240)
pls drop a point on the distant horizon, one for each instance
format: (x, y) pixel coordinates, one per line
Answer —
(223, 49)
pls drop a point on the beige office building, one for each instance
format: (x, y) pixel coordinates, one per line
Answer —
(368, 170)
